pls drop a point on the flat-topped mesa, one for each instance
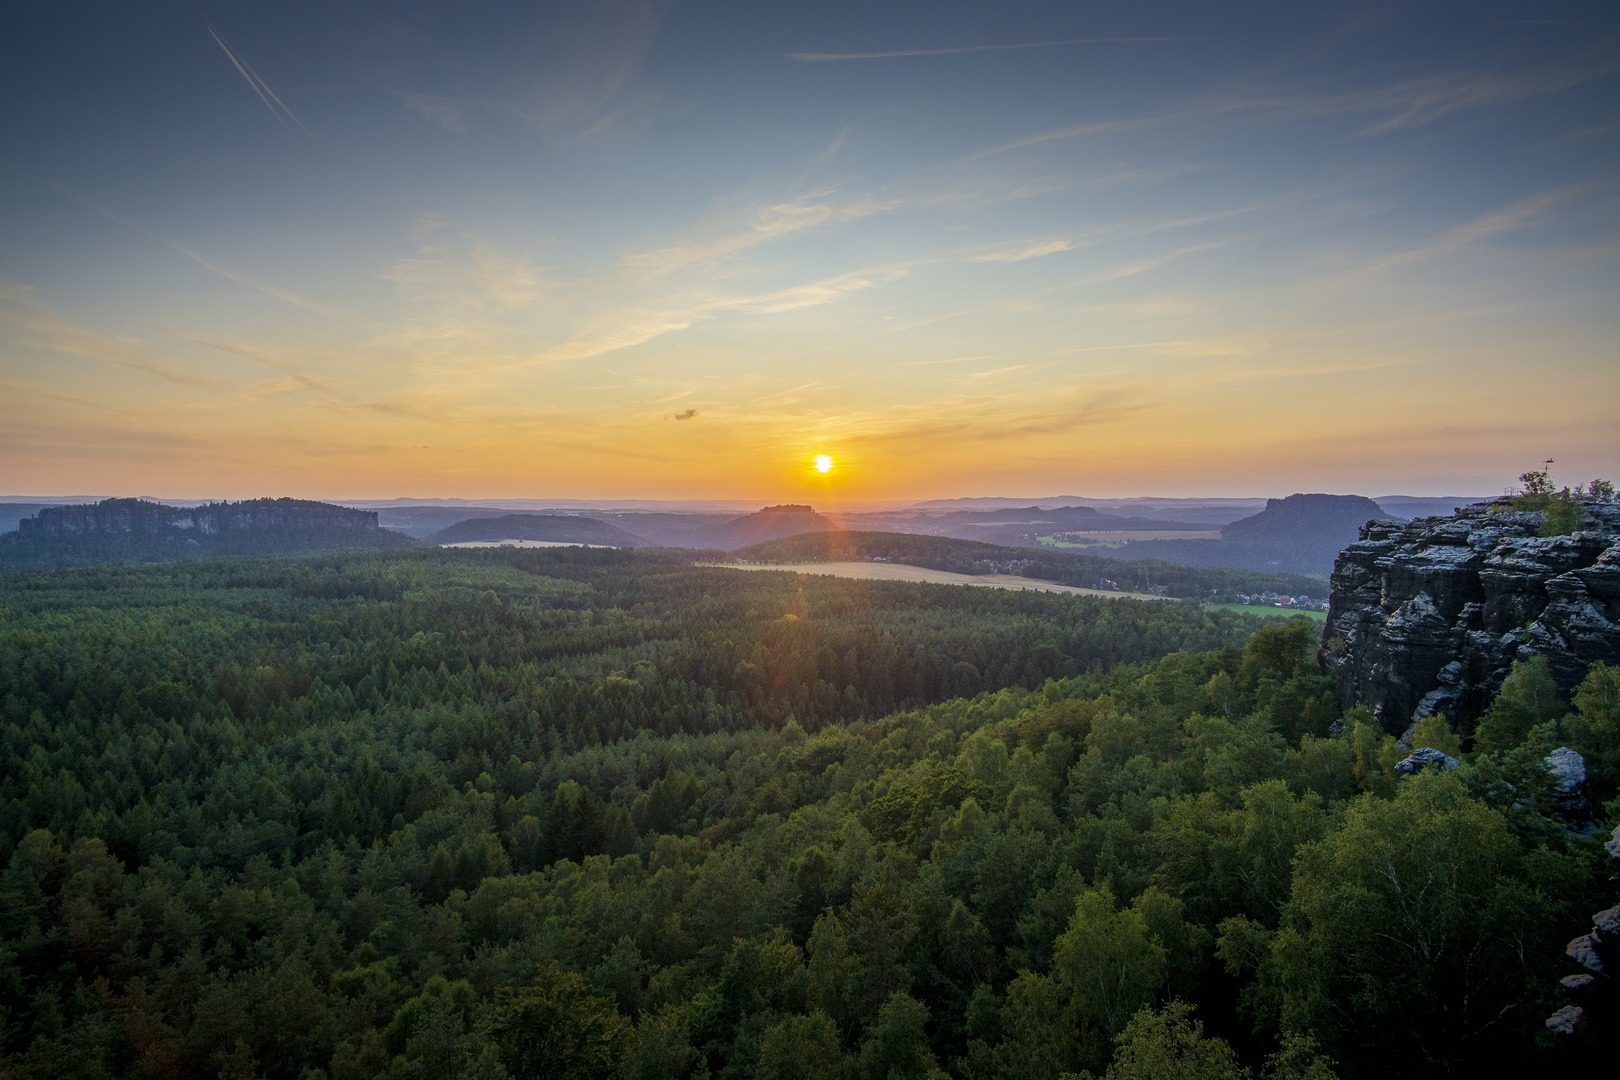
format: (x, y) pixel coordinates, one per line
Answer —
(114, 516)
(1427, 617)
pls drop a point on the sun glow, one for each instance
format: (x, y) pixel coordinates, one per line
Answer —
(822, 463)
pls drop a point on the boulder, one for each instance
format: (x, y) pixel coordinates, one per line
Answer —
(1570, 1020)
(1568, 771)
(1424, 757)
(1593, 1021)
(1584, 951)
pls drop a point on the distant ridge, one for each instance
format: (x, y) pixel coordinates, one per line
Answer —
(423, 521)
(1158, 510)
(1081, 518)
(769, 523)
(137, 517)
(135, 530)
(1301, 534)
(1328, 521)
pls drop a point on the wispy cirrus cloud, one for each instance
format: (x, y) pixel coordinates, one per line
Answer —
(616, 328)
(1019, 254)
(1422, 101)
(294, 373)
(1153, 262)
(755, 225)
(1408, 104)
(449, 113)
(248, 280)
(572, 67)
(825, 57)
(36, 325)
(1516, 215)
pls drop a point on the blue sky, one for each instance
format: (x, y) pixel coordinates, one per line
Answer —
(631, 249)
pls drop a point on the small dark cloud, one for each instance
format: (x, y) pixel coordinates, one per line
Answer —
(687, 415)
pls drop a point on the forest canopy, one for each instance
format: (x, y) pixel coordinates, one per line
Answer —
(603, 813)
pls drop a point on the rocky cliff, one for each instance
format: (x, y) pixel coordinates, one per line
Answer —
(113, 516)
(117, 530)
(1427, 616)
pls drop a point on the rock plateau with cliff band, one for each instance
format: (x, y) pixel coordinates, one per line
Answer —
(1427, 617)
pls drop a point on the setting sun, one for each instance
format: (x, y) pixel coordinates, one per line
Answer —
(823, 463)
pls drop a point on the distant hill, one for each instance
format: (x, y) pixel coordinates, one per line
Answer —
(1150, 508)
(973, 557)
(770, 523)
(423, 521)
(1322, 520)
(1301, 534)
(668, 529)
(558, 528)
(1075, 518)
(135, 530)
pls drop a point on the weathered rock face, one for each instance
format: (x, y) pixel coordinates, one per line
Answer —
(1593, 1021)
(1427, 617)
(1425, 757)
(133, 530)
(138, 516)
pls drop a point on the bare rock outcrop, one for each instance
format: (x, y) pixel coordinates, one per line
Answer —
(115, 516)
(1425, 757)
(1593, 1019)
(137, 530)
(1427, 617)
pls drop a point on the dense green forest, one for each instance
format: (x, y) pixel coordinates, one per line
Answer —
(609, 814)
(1066, 568)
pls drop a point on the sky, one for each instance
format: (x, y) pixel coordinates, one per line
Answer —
(637, 249)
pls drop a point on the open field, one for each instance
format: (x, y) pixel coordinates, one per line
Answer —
(1047, 541)
(1266, 609)
(1149, 534)
(518, 544)
(1096, 538)
(868, 571)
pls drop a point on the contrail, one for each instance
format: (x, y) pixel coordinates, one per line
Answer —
(274, 98)
(259, 86)
(822, 57)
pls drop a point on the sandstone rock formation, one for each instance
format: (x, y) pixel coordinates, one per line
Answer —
(118, 530)
(1593, 1020)
(1427, 617)
(112, 516)
(1426, 756)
